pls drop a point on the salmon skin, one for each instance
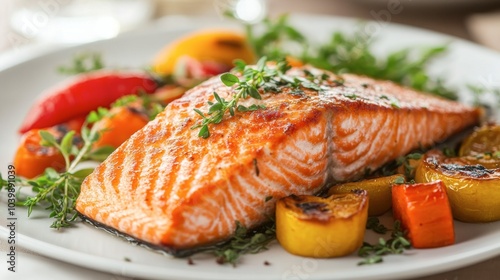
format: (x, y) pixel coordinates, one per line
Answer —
(170, 188)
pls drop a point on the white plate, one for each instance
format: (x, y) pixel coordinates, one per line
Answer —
(85, 246)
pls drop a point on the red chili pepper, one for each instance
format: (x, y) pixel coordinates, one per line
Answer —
(82, 94)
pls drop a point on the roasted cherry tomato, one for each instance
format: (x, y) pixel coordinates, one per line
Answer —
(82, 94)
(31, 158)
(473, 190)
(318, 227)
(425, 214)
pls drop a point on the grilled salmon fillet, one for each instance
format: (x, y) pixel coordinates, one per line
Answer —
(169, 187)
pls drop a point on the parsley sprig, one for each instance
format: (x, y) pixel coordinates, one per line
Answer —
(252, 79)
(373, 253)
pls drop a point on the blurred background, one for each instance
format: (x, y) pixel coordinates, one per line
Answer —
(28, 22)
(57, 23)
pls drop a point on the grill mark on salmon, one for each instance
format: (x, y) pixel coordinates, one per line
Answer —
(170, 188)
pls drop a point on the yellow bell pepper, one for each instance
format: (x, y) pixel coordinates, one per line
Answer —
(484, 140)
(482, 147)
(473, 190)
(379, 192)
(318, 227)
(212, 45)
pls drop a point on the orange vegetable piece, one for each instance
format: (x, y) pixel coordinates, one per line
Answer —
(214, 45)
(425, 213)
(31, 158)
(120, 125)
(472, 184)
(294, 62)
(485, 139)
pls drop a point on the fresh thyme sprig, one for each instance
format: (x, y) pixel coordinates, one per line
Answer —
(374, 224)
(3, 182)
(83, 63)
(244, 242)
(247, 86)
(59, 191)
(395, 245)
(404, 161)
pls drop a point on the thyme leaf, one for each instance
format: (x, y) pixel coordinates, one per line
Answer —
(404, 161)
(58, 191)
(397, 244)
(83, 63)
(374, 224)
(244, 242)
(252, 79)
(3, 182)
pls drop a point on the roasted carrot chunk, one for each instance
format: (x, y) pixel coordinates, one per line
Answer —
(120, 124)
(425, 213)
(31, 158)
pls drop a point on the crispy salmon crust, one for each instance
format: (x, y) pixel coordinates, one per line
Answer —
(169, 187)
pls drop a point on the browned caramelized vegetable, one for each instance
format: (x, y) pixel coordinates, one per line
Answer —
(485, 140)
(473, 190)
(482, 147)
(120, 124)
(318, 227)
(208, 47)
(379, 192)
(424, 212)
(31, 158)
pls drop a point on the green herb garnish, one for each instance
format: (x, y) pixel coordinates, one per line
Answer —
(247, 86)
(405, 162)
(349, 53)
(274, 39)
(374, 224)
(244, 242)
(83, 63)
(3, 182)
(395, 245)
(59, 191)
(399, 180)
